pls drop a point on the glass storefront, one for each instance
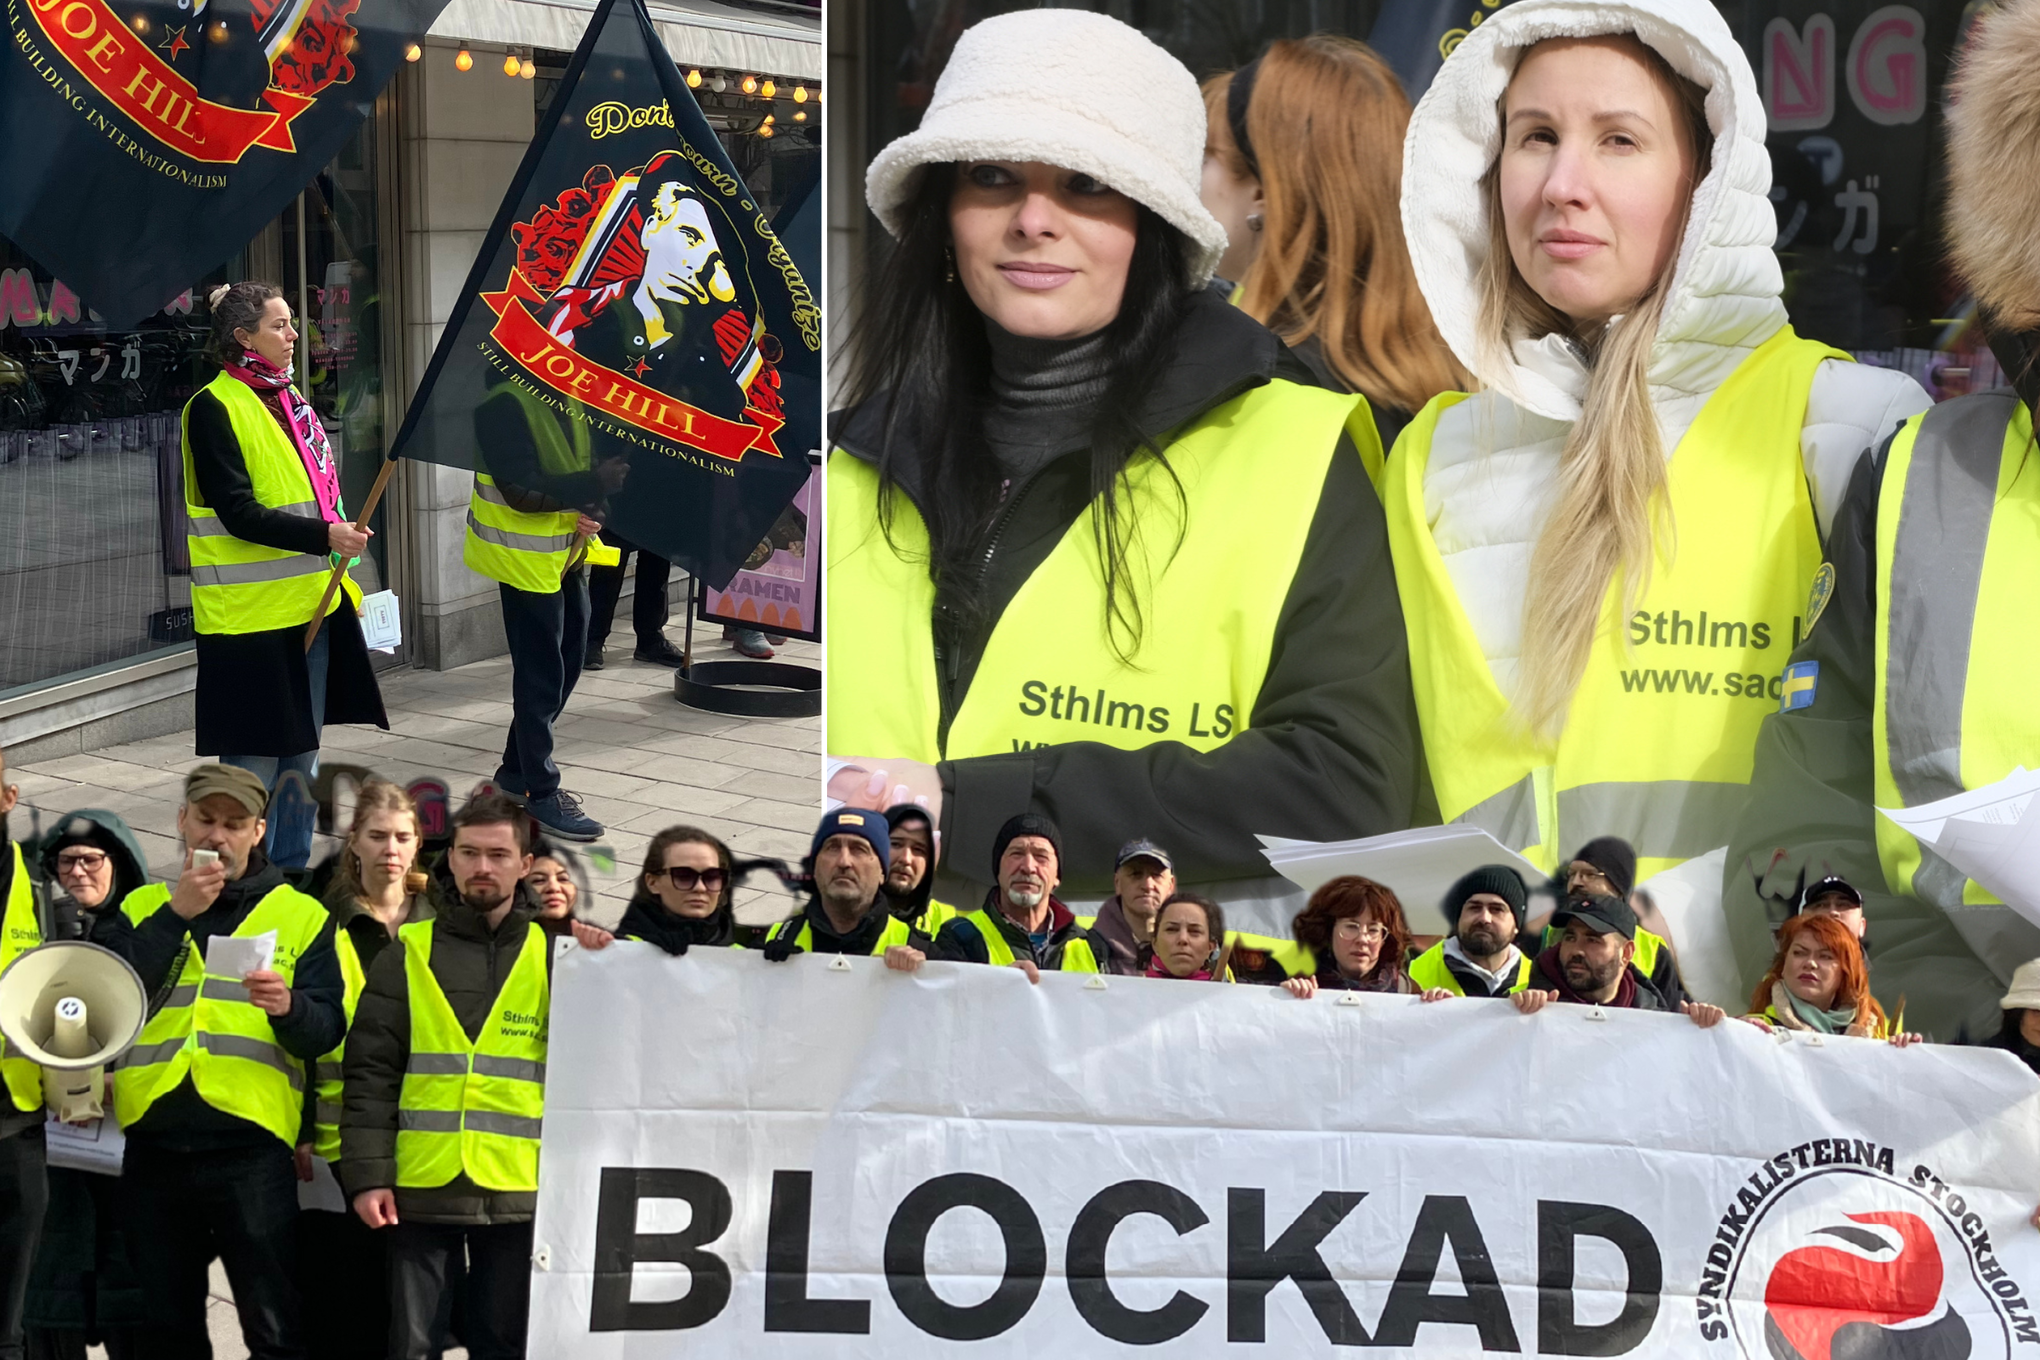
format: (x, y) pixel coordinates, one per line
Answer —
(93, 568)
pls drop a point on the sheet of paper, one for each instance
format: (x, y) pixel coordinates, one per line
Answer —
(322, 1191)
(1689, 896)
(97, 1145)
(382, 624)
(1990, 833)
(232, 956)
(1418, 865)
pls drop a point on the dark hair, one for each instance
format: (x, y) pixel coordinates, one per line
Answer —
(493, 809)
(237, 307)
(1350, 895)
(920, 344)
(655, 858)
(1214, 915)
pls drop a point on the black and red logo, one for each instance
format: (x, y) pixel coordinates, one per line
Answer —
(1875, 1287)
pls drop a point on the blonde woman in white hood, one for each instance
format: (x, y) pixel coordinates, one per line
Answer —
(1603, 556)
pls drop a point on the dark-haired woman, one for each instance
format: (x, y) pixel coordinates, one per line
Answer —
(1189, 940)
(684, 893)
(1355, 929)
(265, 529)
(1099, 546)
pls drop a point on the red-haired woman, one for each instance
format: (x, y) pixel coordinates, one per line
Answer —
(1818, 982)
(1356, 930)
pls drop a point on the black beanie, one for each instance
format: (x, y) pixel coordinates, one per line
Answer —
(1614, 857)
(1026, 824)
(1498, 879)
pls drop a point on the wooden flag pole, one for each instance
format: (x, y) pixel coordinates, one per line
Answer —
(382, 481)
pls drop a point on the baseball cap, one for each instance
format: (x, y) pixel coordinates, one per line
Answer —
(1607, 915)
(1833, 883)
(236, 783)
(1143, 849)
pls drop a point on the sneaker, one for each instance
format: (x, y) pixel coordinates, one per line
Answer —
(593, 660)
(660, 652)
(560, 813)
(750, 642)
(776, 639)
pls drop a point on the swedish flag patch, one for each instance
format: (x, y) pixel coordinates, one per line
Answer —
(1802, 682)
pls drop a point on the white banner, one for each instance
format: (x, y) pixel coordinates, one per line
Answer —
(822, 1159)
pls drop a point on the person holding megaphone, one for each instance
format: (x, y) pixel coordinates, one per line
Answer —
(242, 970)
(23, 1191)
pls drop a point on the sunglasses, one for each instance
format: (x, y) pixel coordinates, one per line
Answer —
(687, 880)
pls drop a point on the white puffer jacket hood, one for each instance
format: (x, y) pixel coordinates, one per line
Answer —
(1726, 290)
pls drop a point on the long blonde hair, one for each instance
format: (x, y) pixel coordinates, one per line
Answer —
(1326, 122)
(377, 795)
(1611, 509)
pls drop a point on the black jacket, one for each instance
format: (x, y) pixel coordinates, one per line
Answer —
(254, 694)
(179, 1120)
(1331, 748)
(960, 942)
(1812, 797)
(862, 937)
(647, 919)
(471, 963)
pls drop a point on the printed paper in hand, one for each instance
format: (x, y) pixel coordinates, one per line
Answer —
(382, 625)
(1991, 834)
(96, 1145)
(322, 1191)
(231, 956)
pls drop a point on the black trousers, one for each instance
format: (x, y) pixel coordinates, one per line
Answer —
(425, 1263)
(548, 637)
(343, 1277)
(648, 608)
(24, 1194)
(238, 1204)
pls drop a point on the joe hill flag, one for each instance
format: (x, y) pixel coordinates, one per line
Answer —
(634, 341)
(142, 142)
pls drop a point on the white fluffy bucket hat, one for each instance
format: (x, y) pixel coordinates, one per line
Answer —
(1071, 88)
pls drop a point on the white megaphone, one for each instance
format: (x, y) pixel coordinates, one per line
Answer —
(72, 1008)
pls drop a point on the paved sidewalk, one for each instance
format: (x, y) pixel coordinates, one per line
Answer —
(638, 759)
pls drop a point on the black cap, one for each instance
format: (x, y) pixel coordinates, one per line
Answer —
(1026, 824)
(1614, 857)
(1833, 883)
(1607, 915)
(1498, 879)
(1141, 849)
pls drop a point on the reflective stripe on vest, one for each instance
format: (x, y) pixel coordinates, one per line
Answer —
(209, 1031)
(243, 587)
(326, 1071)
(473, 1108)
(1250, 472)
(1660, 740)
(1076, 956)
(1429, 969)
(521, 549)
(1958, 553)
(895, 932)
(20, 932)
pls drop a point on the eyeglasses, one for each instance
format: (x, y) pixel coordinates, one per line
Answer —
(90, 861)
(687, 880)
(1352, 929)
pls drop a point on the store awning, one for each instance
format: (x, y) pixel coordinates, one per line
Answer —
(698, 33)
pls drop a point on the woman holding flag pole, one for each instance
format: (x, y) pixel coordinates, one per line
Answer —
(265, 531)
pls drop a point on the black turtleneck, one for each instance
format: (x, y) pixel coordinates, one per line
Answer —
(647, 919)
(1044, 397)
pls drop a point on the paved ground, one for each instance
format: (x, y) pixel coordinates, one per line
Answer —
(637, 758)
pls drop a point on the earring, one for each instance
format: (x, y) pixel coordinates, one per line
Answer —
(1254, 221)
(948, 264)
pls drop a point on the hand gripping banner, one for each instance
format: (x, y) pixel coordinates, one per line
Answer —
(634, 340)
(840, 1161)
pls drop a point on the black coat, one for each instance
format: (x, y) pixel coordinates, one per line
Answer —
(254, 693)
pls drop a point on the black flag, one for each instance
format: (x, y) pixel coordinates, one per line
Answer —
(633, 332)
(144, 144)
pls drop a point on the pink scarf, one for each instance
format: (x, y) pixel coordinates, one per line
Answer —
(1156, 969)
(302, 424)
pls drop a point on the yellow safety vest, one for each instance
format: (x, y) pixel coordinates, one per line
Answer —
(934, 916)
(474, 1108)
(326, 1085)
(1250, 470)
(895, 932)
(20, 932)
(1429, 970)
(208, 1030)
(1076, 955)
(243, 587)
(524, 550)
(1958, 557)
(1292, 957)
(1660, 741)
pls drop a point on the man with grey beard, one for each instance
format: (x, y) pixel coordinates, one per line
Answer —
(1021, 924)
